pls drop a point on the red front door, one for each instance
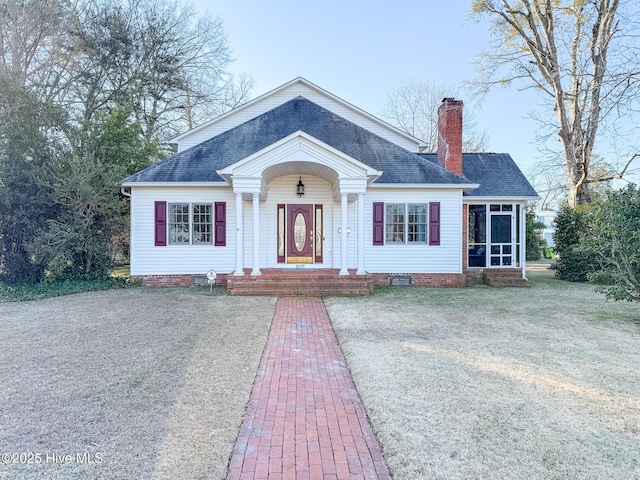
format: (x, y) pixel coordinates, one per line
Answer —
(300, 234)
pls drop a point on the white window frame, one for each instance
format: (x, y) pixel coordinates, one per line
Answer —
(210, 223)
(191, 235)
(405, 224)
(171, 223)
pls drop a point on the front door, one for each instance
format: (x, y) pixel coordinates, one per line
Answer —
(300, 234)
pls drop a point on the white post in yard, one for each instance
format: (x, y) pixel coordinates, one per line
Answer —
(239, 237)
(360, 270)
(343, 235)
(256, 234)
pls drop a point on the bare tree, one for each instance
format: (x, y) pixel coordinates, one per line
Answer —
(170, 64)
(34, 46)
(413, 108)
(551, 183)
(159, 58)
(581, 55)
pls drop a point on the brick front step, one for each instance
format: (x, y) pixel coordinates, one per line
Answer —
(311, 284)
(508, 277)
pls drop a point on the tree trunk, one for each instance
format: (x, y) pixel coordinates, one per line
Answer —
(578, 194)
(577, 167)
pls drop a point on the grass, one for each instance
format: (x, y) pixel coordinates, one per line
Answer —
(154, 380)
(492, 383)
(540, 382)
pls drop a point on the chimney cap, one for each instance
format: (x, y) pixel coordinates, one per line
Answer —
(448, 99)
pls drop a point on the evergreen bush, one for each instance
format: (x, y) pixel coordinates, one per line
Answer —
(575, 257)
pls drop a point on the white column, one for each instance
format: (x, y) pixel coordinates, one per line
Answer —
(360, 232)
(523, 240)
(256, 234)
(239, 236)
(343, 235)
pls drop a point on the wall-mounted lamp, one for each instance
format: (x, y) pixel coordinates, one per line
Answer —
(300, 187)
(348, 231)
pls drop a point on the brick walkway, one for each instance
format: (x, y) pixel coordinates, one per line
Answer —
(305, 419)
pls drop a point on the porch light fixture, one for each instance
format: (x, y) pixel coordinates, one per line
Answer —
(300, 187)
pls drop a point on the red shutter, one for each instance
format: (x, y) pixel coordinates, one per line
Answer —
(221, 224)
(434, 223)
(378, 223)
(161, 224)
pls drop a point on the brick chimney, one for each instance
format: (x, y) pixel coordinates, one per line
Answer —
(450, 135)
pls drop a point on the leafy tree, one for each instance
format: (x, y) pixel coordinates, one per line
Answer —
(413, 108)
(73, 244)
(88, 90)
(575, 258)
(534, 237)
(615, 237)
(116, 139)
(29, 134)
(85, 189)
(581, 56)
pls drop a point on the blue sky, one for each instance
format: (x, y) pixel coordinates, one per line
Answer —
(360, 50)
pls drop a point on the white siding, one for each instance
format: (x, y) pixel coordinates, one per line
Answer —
(424, 258)
(147, 259)
(272, 101)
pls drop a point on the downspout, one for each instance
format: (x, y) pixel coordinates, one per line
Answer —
(126, 191)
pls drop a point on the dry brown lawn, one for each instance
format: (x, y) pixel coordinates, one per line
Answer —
(479, 383)
(486, 383)
(145, 383)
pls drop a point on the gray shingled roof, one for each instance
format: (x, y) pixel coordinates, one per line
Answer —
(199, 163)
(496, 173)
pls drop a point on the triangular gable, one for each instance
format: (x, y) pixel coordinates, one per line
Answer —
(299, 153)
(298, 87)
(300, 147)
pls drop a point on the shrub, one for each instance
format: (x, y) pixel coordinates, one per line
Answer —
(576, 258)
(615, 237)
(46, 289)
(535, 242)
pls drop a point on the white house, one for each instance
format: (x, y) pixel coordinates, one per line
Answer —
(548, 218)
(300, 181)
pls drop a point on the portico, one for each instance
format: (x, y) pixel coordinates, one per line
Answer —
(343, 181)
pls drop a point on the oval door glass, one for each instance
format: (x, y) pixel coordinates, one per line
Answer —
(300, 232)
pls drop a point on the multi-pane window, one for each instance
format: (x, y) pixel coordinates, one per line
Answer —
(395, 223)
(406, 223)
(190, 223)
(202, 225)
(417, 224)
(179, 223)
